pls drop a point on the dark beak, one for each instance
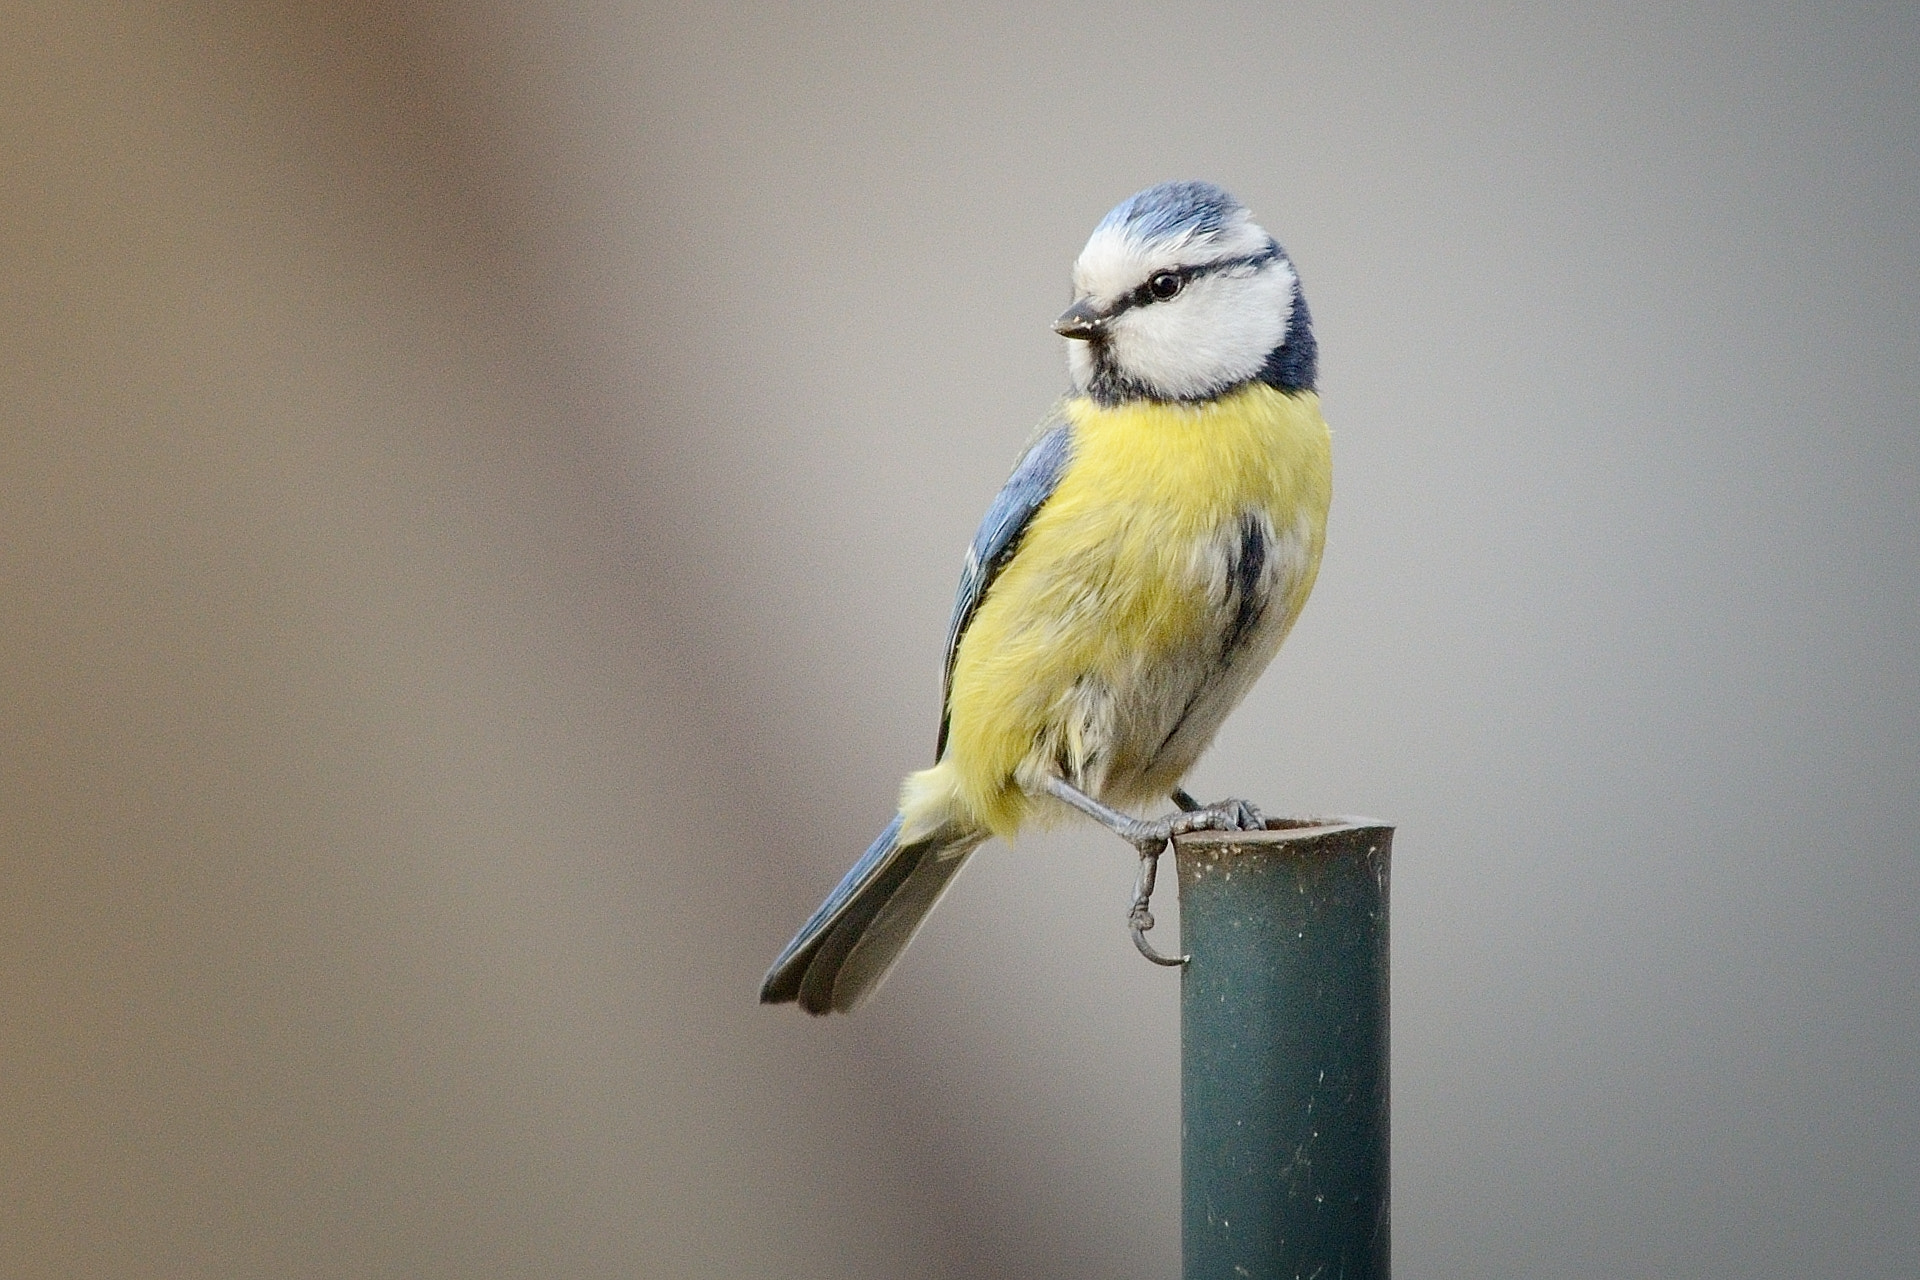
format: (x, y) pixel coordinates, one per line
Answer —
(1080, 321)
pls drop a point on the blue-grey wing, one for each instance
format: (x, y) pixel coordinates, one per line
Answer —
(1026, 491)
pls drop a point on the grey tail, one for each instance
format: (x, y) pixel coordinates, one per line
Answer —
(840, 955)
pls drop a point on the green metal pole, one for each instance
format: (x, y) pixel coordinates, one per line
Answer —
(1283, 1051)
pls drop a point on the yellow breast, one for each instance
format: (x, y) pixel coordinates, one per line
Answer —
(1147, 478)
(1108, 583)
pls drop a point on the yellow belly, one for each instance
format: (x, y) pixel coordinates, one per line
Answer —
(1087, 634)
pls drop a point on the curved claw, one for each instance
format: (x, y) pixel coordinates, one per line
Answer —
(1140, 919)
(1146, 948)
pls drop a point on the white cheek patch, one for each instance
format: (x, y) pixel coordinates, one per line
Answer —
(1217, 332)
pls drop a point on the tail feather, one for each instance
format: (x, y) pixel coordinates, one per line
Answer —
(842, 953)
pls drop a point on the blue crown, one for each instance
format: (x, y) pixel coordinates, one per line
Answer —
(1186, 210)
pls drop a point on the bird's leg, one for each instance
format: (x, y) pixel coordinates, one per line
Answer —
(1150, 836)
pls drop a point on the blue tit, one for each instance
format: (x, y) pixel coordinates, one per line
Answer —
(1151, 550)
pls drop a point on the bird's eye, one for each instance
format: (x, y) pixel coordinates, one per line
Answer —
(1164, 284)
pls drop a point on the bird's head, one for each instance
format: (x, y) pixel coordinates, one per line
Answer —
(1179, 295)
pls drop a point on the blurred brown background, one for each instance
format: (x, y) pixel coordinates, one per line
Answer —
(480, 491)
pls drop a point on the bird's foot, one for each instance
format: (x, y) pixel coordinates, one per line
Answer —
(1151, 836)
(1242, 813)
(1155, 833)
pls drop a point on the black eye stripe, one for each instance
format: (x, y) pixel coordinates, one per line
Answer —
(1144, 296)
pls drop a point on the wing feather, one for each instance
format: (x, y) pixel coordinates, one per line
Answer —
(1033, 481)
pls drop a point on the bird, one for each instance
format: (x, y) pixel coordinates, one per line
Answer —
(1151, 550)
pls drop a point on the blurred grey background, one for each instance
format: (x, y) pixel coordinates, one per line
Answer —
(480, 493)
